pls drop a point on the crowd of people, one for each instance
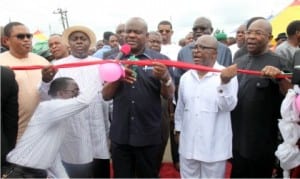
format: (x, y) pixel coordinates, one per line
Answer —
(69, 122)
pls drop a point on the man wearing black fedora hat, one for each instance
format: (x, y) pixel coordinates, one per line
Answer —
(280, 38)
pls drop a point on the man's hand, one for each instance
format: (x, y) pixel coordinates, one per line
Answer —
(160, 71)
(129, 75)
(270, 71)
(284, 85)
(228, 73)
(48, 72)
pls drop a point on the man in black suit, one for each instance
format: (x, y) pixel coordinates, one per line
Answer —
(135, 130)
(9, 112)
(255, 118)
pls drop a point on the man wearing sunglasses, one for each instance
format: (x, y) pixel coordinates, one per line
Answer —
(202, 25)
(19, 41)
(170, 49)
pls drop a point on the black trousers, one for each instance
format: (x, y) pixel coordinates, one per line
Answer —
(16, 171)
(165, 130)
(131, 162)
(79, 170)
(250, 168)
(174, 146)
(101, 168)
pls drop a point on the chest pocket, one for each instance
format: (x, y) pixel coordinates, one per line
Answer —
(262, 83)
(257, 89)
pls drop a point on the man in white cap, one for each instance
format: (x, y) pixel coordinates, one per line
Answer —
(85, 151)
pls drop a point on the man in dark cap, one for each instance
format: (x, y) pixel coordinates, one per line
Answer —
(280, 38)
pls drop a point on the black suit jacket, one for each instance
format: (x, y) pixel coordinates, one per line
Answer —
(110, 53)
(255, 117)
(9, 111)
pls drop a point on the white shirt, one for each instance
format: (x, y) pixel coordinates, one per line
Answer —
(233, 48)
(87, 136)
(39, 146)
(170, 50)
(202, 116)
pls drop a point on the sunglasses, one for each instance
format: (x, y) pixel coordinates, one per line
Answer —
(166, 31)
(22, 36)
(202, 28)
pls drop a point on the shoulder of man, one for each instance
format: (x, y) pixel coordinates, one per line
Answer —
(188, 47)
(109, 53)
(222, 48)
(39, 59)
(276, 57)
(154, 54)
(281, 46)
(240, 52)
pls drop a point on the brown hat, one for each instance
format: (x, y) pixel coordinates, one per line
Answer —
(87, 31)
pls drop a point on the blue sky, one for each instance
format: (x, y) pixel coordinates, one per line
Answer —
(104, 15)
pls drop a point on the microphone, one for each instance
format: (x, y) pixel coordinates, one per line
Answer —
(125, 50)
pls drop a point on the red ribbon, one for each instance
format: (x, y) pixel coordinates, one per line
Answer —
(176, 64)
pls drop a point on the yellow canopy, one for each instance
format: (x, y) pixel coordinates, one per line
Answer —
(287, 15)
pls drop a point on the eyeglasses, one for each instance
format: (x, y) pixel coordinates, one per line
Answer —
(166, 31)
(202, 28)
(22, 36)
(202, 47)
(74, 91)
(255, 32)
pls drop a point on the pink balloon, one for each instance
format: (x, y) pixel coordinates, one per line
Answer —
(297, 102)
(111, 72)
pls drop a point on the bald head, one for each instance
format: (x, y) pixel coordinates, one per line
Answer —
(202, 21)
(136, 34)
(120, 28)
(205, 51)
(258, 36)
(262, 24)
(208, 41)
(137, 21)
(202, 25)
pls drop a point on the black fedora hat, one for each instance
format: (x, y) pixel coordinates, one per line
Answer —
(281, 36)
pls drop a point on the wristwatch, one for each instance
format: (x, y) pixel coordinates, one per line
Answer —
(168, 83)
